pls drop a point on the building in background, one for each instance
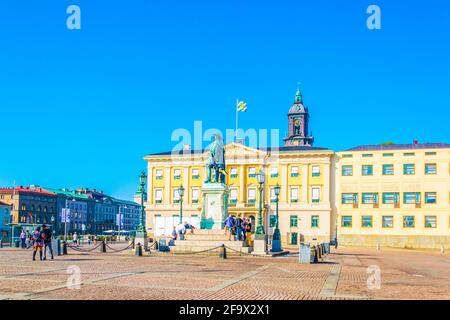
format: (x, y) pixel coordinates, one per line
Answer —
(396, 195)
(104, 211)
(5, 216)
(128, 215)
(80, 210)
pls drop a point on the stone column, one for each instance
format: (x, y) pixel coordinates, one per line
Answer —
(167, 186)
(284, 183)
(305, 185)
(241, 184)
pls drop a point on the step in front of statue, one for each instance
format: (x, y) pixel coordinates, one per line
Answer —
(210, 243)
(206, 231)
(206, 250)
(201, 237)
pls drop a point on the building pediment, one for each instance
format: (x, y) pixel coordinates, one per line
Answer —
(239, 151)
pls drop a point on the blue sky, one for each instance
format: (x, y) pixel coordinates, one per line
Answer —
(82, 107)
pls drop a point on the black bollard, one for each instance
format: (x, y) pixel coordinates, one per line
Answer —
(103, 247)
(138, 250)
(64, 248)
(223, 252)
(1, 243)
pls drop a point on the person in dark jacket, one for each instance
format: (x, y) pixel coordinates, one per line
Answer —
(47, 236)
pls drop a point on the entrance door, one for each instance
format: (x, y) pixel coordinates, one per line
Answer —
(160, 226)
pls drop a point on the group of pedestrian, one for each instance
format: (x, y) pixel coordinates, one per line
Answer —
(40, 239)
(180, 230)
(239, 228)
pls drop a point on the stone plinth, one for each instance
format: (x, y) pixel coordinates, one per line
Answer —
(215, 202)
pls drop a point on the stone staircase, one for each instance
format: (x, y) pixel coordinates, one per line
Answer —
(202, 240)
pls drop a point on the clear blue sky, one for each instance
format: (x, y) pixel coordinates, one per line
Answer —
(82, 108)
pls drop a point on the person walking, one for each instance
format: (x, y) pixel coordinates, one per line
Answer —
(229, 224)
(244, 229)
(38, 243)
(30, 241)
(181, 230)
(47, 236)
(249, 232)
(238, 226)
(23, 239)
(174, 233)
(75, 238)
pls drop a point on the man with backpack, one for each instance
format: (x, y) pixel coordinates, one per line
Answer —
(238, 225)
(38, 243)
(47, 236)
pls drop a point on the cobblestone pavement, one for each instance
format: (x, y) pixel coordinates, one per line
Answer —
(405, 274)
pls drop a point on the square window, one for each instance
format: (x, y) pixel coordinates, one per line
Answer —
(411, 197)
(430, 168)
(388, 169)
(252, 172)
(430, 197)
(273, 172)
(315, 194)
(349, 198)
(234, 172)
(158, 174)
(251, 195)
(316, 171)
(293, 221)
(367, 170)
(346, 221)
(387, 221)
(391, 198)
(294, 194)
(314, 221)
(294, 238)
(347, 171)
(366, 221)
(177, 174)
(233, 195)
(408, 222)
(294, 171)
(195, 174)
(408, 169)
(430, 222)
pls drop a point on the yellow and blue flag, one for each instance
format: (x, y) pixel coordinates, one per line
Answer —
(241, 106)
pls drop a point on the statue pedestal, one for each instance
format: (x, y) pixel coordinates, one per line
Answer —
(215, 205)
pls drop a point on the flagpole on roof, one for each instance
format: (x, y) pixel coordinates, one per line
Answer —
(237, 115)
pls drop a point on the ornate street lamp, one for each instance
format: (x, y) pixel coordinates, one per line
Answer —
(260, 233)
(276, 240)
(141, 232)
(181, 194)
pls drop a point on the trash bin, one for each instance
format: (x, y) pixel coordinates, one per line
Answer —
(304, 256)
(326, 247)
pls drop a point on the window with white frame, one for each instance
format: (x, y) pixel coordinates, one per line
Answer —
(273, 172)
(315, 194)
(252, 172)
(294, 194)
(233, 195)
(158, 195)
(234, 172)
(273, 197)
(294, 171)
(177, 174)
(251, 196)
(158, 174)
(176, 195)
(315, 171)
(195, 173)
(195, 195)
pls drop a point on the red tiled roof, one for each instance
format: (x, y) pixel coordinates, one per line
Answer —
(19, 189)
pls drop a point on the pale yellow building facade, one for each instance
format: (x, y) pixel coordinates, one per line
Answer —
(393, 195)
(302, 172)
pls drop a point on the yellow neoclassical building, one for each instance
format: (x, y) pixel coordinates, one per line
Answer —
(302, 172)
(394, 195)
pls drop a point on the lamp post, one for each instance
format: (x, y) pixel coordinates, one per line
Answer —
(141, 233)
(276, 240)
(260, 233)
(181, 194)
(52, 219)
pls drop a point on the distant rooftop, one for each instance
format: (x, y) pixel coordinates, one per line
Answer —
(31, 189)
(279, 149)
(410, 146)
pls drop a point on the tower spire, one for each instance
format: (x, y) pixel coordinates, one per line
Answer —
(298, 94)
